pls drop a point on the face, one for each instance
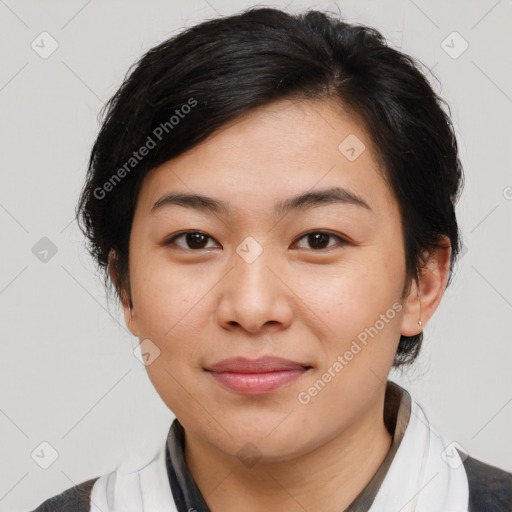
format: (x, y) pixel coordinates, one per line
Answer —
(317, 282)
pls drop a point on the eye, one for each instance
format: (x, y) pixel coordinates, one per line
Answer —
(195, 240)
(319, 239)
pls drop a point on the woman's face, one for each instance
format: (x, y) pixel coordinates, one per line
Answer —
(252, 283)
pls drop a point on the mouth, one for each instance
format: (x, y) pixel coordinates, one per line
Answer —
(256, 376)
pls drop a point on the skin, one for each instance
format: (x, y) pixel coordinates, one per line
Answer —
(297, 301)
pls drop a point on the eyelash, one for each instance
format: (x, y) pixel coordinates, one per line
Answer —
(343, 241)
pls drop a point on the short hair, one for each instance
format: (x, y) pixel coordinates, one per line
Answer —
(185, 88)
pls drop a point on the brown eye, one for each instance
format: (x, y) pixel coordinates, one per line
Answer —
(319, 240)
(193, 240)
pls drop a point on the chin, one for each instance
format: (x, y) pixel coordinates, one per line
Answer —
(250, 441)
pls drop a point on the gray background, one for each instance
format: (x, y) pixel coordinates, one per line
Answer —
(68, 373)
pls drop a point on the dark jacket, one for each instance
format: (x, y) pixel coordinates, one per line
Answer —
(490, 490)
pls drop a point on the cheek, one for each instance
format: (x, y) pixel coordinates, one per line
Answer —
(165, 294)
(361, 307)
(352, 295)
(169, 308)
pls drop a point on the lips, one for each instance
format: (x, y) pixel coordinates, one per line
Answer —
(256, 376)
(261, 365)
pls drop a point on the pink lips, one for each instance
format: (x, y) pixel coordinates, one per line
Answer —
(256, 376)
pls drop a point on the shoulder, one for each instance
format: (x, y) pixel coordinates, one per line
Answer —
(74, 499)
(490, 488)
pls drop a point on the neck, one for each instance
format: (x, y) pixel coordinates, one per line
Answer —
(326, 479)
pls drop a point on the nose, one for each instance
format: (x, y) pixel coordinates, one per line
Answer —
(255, 296)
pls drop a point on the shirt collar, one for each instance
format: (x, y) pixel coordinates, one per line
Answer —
(187, 496)
(397, 411)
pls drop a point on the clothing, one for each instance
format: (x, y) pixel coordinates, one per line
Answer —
(422, 472)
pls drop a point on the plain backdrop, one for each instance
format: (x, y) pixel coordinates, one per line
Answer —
(69, 376)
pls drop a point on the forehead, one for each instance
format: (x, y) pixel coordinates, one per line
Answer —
(273, 152)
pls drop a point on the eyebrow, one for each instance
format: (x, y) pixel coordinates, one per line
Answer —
(334, 195)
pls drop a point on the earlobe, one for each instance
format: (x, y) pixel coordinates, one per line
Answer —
(130, 319)
(412, 312)
(426, 294)
(129, 314)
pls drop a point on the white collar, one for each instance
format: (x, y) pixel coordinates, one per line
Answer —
(418, 480)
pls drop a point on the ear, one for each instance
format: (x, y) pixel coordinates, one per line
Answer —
(129, 314)
(425, 295)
